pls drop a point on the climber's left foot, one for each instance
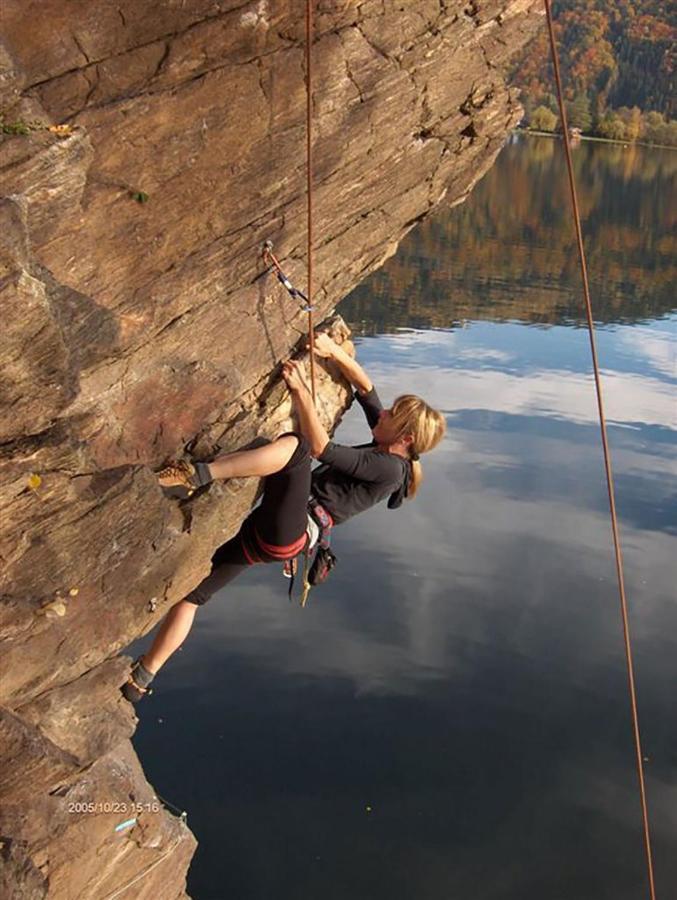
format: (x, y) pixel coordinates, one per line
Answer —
(137, 685)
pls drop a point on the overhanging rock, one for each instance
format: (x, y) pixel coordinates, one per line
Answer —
(139, 320)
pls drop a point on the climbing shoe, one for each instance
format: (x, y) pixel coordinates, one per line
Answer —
(136, 685)
(181, 473)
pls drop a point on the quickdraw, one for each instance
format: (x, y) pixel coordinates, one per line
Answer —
(273, 264)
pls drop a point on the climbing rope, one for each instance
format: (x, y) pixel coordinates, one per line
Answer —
(268, 255)
(182, 813)
(607, 453)
(309, 183)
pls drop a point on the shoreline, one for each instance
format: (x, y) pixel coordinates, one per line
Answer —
(600, 140)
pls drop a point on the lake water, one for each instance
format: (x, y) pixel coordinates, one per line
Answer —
(449, 716)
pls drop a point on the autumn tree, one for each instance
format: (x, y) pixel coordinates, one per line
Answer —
(632, 119)
(612, 128)
(617, 53)
(543, 119)
(578, 113)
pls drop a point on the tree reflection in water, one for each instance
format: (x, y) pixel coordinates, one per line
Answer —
(511, 253)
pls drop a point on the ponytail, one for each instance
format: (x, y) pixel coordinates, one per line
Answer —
(426, 426)
(416, 479)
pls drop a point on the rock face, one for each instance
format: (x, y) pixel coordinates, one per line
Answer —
(139, 319)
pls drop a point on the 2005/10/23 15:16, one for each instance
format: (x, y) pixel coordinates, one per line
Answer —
(112, 806)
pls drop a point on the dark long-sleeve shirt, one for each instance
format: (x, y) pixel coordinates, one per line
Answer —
(352, 479)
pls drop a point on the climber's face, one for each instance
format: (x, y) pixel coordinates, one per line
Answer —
(385, 431)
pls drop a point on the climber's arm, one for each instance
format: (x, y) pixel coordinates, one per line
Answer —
(350, 368)
(309, 421)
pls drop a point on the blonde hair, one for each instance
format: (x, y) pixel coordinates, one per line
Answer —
(412, 415)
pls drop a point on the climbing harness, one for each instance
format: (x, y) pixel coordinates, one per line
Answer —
(257, 550)
(607, 453)
(324, 520)
(318, 534)
(290, 567)
(324, 560)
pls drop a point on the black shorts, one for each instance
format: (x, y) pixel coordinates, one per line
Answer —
(275, 530)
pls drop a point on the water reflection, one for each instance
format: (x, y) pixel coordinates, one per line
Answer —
(449, 716)
(511, 254)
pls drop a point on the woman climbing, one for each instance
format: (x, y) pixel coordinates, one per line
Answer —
(350, 480)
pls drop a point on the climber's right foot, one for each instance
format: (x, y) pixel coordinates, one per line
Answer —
(178, 473)
(181, 473)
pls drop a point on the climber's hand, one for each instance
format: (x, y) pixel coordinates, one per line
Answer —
(324, 346)
(294, 374)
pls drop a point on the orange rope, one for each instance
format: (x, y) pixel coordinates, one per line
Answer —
(607, 453)
(309, 190)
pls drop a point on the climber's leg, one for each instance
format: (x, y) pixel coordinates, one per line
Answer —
(260, 461)
(269, 534)
(282, 516)
(173, 632)
(227, 563)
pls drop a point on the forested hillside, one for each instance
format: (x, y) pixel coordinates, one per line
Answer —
(618, 62)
